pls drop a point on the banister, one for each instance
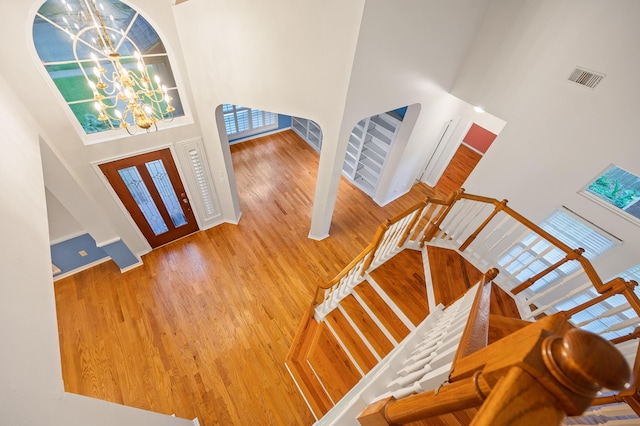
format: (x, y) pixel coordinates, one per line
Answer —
(573, 255)
(543, 371)
(612, 288)
(414, 221)
(377, 239)
(476, 332)
(498, 208)
(433, 227)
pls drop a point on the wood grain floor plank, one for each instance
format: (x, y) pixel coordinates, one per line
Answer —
(203, 327)
(382, 311)
(402, 279)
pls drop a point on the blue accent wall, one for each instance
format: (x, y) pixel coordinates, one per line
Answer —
(66, 256)
(120, 253)
(284, 122)
(401, 111)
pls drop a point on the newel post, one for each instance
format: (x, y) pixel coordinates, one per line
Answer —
(536, 375)
(433, 227)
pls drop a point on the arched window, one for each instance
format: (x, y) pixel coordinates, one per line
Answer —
(85, 44)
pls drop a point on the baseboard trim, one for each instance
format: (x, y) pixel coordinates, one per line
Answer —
(81, 268)
(130, 267)
(317, 238)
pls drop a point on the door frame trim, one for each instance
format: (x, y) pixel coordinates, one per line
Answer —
(96, 168)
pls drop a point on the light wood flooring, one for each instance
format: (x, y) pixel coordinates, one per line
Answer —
(203, 327)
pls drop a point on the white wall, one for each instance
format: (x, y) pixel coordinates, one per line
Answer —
(409, 52)
(284, 56)
(559, 136)
(62, 225)
(31, 388)
(72, 157)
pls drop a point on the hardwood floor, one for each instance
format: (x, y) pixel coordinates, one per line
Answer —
(460, 167)
(203, 327)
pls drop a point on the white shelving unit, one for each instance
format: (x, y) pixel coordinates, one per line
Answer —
(308, 130)
(369, 144)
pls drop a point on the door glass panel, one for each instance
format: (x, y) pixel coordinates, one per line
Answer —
(143, 199)
(165, 189)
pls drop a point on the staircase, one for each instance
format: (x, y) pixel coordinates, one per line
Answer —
(372, 332)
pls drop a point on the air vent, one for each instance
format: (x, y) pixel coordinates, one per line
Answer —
(585, 77)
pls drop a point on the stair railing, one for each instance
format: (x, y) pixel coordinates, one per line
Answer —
(536, 375)
(391, 237)
(490, 234)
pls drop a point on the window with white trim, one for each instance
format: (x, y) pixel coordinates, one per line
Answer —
(534, 254)
(70, 52)
(241, 121)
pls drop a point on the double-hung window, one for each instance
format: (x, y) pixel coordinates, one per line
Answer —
(241, 121)
(534, 254)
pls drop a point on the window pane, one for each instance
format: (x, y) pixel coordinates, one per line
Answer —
(65, 45)
(618, 188)
(243, 120)
(230, 124)
(256, 119)
(87, 116)
(70, 81)
(165, 189)
(142, 197)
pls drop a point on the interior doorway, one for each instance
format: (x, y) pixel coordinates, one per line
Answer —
(151, 190)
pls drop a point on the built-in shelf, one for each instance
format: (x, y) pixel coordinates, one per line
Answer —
(308, 130)
(369, 145)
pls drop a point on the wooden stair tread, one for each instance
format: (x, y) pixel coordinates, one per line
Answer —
(451, 274)
(308, 384)
(367, 326)
(382, 311)
(332, 365)
(354, 344)
(405, 268)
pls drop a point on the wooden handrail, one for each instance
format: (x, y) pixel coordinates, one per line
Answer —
(377, 239)
(573, 255)
(433, 227)
(476, 332)
(412, 224)
(498, 208)
(543, 371)
(613, 287)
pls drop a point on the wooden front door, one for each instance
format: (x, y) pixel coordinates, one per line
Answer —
(151, 190)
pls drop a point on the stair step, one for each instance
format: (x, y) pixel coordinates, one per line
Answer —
(352, 341)
(382, 311)
(366, 325)
(304, 378)
(452, 277)
(402, 279)
(331, 365)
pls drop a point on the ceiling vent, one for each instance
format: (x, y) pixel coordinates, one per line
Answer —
(586, 77)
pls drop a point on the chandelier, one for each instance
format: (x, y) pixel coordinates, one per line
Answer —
(125, 94)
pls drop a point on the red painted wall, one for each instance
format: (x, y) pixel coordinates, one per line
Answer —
(479, 138)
